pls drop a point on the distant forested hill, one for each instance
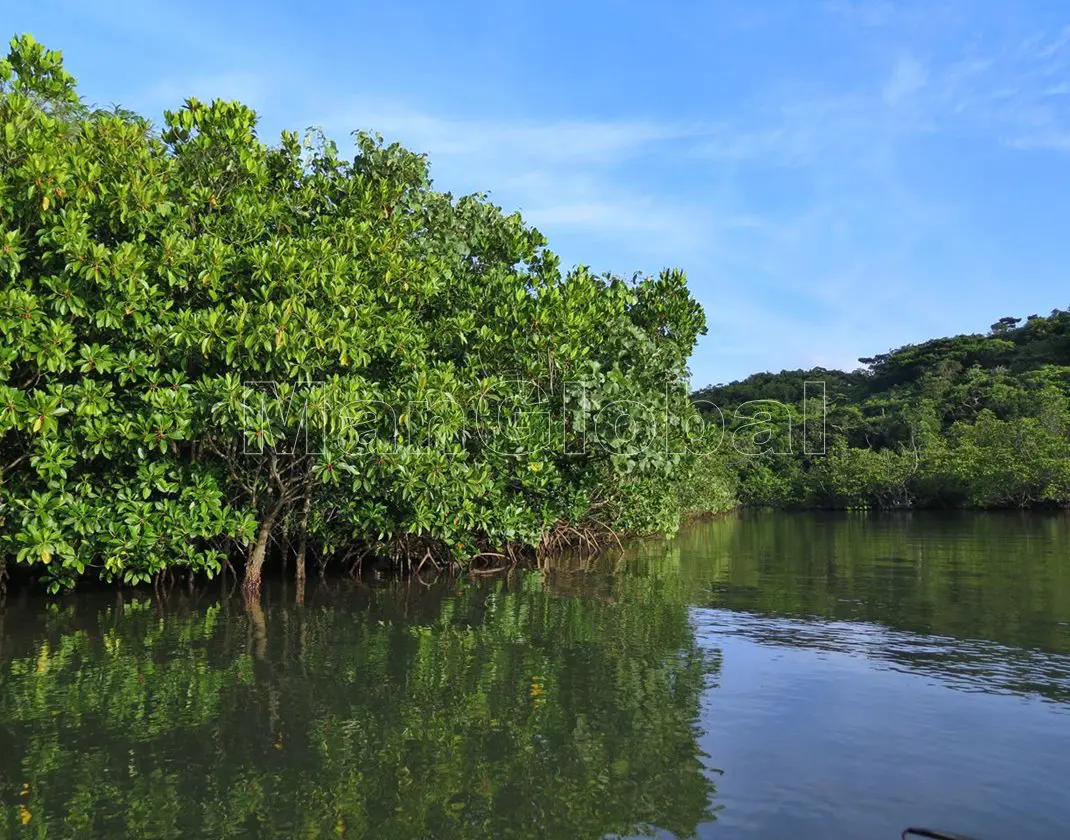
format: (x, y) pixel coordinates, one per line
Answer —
(967, 421)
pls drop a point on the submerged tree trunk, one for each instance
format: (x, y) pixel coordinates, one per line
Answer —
(259, 628)
(254, 566)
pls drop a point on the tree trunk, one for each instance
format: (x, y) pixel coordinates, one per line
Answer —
(285, 543)
(302, 544)
(255, 564)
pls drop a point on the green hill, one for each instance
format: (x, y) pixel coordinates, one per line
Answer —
(966, 421)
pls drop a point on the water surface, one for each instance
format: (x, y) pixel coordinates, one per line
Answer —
(760, 676)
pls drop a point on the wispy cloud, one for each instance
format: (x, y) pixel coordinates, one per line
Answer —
(808, 127)
(907, 77)
(585, 142)
(1044, 45)
(1051, 140)
(1009, 93)
(562, 174)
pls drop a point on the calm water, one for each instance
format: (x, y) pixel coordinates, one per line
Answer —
(763, 676)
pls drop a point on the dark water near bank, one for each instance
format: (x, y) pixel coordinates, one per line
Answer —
(767, 676)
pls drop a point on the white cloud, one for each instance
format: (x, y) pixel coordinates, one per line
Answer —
(784, 144)
(563, 175)
(1044, 45)
(562, 141)
(907, 78)
(1051, 140)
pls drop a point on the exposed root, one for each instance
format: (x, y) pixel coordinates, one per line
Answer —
(592, 536)
(495, 570)
(418, 557)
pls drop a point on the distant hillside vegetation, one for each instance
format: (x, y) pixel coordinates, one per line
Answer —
(967, 421)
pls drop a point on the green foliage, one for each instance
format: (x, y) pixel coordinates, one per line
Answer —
(206, 341)
(969, 421)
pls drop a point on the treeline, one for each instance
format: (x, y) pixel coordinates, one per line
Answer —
(978, 421)
(217, 351)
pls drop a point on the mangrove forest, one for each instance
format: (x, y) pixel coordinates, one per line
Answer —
(218, 353)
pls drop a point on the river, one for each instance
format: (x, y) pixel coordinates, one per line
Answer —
(760, 676)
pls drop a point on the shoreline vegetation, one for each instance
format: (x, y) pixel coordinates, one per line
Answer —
(210, 348)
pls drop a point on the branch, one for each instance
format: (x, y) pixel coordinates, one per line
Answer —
(273, 466)
(15, 463)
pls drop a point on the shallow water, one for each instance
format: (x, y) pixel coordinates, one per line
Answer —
(760, 676)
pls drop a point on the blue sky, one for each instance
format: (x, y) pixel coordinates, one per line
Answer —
(837, 177)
